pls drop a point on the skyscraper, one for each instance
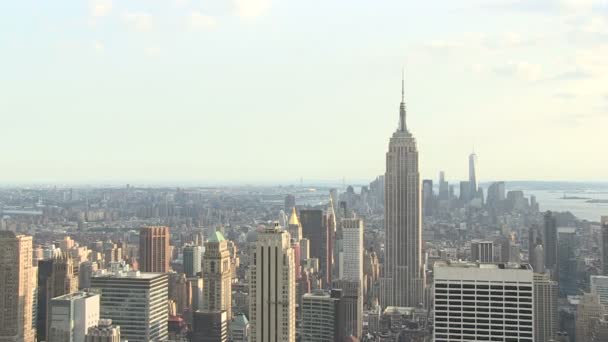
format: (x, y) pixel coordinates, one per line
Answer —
(135, 301)
(272, 288)
(550, 245)
(314, 228)
(427, 197)
(444, 191)
(588, 310)
(192, 260)
(474, 301)
(599, 286)
(545, 308)
(352, 232)
(71, 315)
(16, 287)
(154, 253)
(604, 246)
(351, 307)
(210, 326)
(321, 316)
(62, 281)
(496, 194)
(472, 175)
(482, 251)
(217, 275)
(404, 281)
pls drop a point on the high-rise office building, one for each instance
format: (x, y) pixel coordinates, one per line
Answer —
(567, 261)
(599, 286)
(71, 316)
(329, 220)
(63, 280)
(404, 281)
(352, 235)
(272, 288)
(474, 301)
(496, 194)
(135, 301)
(444, 190)
(549, 240)
(604, 246)
(192, 260)
(314, 228)
(321, 316)
(588, 310)
(154, 255)
(217, 275)
(472, 175)
(482, 251)
(465, 191)
(545, 308)
(428, 197)
(210, 326)
(16, 293)
(351, 307)
(104, 331)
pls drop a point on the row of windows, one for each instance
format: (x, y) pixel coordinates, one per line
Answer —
(523, 321)
(443, 338)
(495, 328)
(480, 286)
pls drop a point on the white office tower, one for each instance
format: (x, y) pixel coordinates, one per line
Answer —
(545, 308)
(135, 301)
(272, 288)
(478, 302)
(103, 332)
(352, 234)
(71, 315)
(321, 316)
(482, 251)
(599, 286)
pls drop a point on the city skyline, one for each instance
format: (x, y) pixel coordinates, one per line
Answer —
(119, 100)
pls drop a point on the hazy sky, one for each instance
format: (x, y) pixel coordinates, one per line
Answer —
(265, 90)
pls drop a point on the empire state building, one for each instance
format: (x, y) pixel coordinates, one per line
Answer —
(404, 279)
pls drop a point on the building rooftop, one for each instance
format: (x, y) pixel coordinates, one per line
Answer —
(216, 237)
(76, 295)
(469, 265)
(293, 219)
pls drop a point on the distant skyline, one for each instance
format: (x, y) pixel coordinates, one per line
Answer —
(268, 91)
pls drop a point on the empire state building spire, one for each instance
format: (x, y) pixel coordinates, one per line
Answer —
(402, 123)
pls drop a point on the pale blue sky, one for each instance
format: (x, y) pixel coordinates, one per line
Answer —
(265, 90)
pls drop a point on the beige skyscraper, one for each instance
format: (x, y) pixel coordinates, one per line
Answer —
(63, 281)
(16, 287)
(272, 288)
(588, 310)
(545, 308)
(217, 275)
(404, 280)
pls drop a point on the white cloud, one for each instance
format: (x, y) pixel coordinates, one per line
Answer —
(100, 8)
(152, 51)
(523, 70)
(139, 21)
(252, 8)
(182, 3)
(98, 46)
(199, 21)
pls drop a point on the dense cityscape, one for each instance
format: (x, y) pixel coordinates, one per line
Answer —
(399, 259)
